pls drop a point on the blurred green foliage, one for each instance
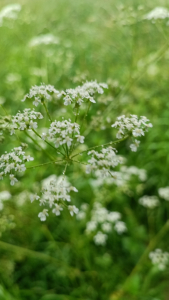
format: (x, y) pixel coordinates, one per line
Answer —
(110, 42)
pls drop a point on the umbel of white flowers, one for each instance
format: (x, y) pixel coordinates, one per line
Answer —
(149, 201)
(13, 162)
(25, 120)
(157, 13)
(159, 258)
(61, 133)
(55, 195)
(132, 126)
(9, 12)
(102, 222)
(164, 193)
(43, 39)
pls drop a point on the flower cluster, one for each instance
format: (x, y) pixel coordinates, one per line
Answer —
(40, 93)
(119, 178)
(13, 162)
(157, 13)
(164, 193)
(63, 133)
(84, 92)
(159, 258)
(103, 161)
(10, 12)
(25, 120)
(131, 125)
(54, 194)
(102, 222)
(43, 39)
(149, 201)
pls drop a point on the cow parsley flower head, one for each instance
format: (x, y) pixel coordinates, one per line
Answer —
(13, 162)
(102, 222)
(25, 120)
(63, 132)
(157, 13)
(132, 126)
(164, 193)
(100, 238)
(40, 93)
(103, 161)
(159, 258)
(83, 93)
(9, 12)
(149, 201)
(55, 195)
(43, 39)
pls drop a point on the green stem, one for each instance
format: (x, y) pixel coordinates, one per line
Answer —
(107, 144)
(36, 254)
(47, 163)
(39, 146)
(44, 104)
(79, 162)
(46, 141)
(140, 263)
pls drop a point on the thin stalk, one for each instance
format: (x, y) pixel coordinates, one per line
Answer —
(107, 144)
(154, 241)
(46, 141)
(39, 146)
(44, 104)
(36, 254)
(47, 163)
(79, 162)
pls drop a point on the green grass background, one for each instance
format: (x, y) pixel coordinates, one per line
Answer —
(107, 41)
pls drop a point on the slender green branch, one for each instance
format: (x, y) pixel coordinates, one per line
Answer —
(79, 162)
(47, 163)
(46, 141)
(107, 144)
(29, 252)
(44, 104)
(140, 263)
(39, 145)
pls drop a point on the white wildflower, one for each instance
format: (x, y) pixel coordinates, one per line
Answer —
(42, 215)
(103, 161)
(159, 258)
(5, 195)
(83, 93)
(120, 227)
(133, 126)
(22, 121)
(164, 193)
(149, 201)
(57, 209)
(9, 12)
(43, 39)
(54, 192)
(40, 93)
(106, 227)
(61, 133)
(13, 162)
(100, 238)
(135, 145)
(91, 226)
(157, 13)
(73, 209)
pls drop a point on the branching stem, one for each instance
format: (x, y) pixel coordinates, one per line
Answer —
(95, 147)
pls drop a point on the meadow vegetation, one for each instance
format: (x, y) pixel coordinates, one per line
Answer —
(69, 70)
